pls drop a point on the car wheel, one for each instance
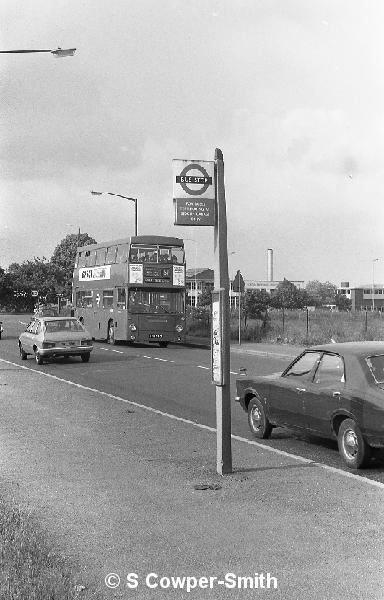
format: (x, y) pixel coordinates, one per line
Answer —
(111, 334)
(257, 419)
(85, 357)
(38, 358)
(163, 344)
(353, 449)
(23, 354)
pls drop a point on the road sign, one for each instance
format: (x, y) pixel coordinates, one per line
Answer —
(238, 283)
(194, 192)
(193, 179)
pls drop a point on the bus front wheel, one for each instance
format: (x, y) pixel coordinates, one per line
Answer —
(111, 333)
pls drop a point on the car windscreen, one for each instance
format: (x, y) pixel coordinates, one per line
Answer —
(64, 325)
(376, 366)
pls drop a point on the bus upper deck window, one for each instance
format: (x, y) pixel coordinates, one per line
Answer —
(100, 256)
(90, 258)
(81, 260)
(111, 255)
(134, 254)
(177, 255)
(122, 253)
(165, 255)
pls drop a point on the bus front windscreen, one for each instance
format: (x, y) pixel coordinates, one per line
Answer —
(155, 301)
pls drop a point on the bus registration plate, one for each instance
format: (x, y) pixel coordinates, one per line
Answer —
(155, 336)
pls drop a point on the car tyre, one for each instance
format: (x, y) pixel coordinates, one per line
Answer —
(86, 357)
(111, 333)
(163, 344)
(257, 419)
(38, 358)
(353, 449)
(23, 354)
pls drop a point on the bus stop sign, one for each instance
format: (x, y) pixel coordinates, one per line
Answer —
(194, 192)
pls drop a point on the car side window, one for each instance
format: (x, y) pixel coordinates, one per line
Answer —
(31, 327)
(330, 371)
(304, 365)
(37, 328)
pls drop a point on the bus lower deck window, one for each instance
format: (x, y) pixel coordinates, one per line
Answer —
(107, 298)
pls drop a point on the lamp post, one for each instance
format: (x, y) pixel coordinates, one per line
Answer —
(120, 196)
(373, 283)
(58, 53)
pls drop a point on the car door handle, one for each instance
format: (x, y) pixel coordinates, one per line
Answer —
(336, 394)
(301, 389)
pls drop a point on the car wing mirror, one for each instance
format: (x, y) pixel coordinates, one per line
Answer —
(243, 371)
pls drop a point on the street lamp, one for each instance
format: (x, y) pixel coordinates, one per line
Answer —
(373, 282)
(58, 53)
(120, 196)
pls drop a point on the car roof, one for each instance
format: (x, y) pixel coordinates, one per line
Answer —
(352, 348)
(46, 318)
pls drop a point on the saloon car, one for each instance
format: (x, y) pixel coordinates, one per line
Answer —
(332, 391)
(50, 337)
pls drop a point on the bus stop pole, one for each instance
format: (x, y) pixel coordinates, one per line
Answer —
(221, 281)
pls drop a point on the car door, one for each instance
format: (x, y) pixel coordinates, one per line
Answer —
(324, 394)
(28, 337)
(286, 400)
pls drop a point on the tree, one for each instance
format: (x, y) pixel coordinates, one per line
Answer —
(36, 274)
(205, 298)
(321, 293)
(256, 303)
(343, 303)
(63, 260)
(287, 295)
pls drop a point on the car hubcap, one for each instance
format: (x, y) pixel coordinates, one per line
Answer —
(256, 417)
(351, 443)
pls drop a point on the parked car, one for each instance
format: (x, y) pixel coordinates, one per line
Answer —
(49, 337)
(331, 391)
(1, 328)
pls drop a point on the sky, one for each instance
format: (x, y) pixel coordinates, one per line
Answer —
(291, 91)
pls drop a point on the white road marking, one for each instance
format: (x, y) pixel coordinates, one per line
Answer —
(118, 351)
(22, 323)
(359, 478)
(162, 359)
(201, 367)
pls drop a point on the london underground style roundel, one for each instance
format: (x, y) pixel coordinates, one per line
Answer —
(193, 179)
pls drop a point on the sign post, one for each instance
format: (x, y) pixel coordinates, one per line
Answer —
(221, 285)
(199, 199)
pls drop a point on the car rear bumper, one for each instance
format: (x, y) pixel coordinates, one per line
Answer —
(65, 351)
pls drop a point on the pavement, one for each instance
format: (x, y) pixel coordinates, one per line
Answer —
(128, 491)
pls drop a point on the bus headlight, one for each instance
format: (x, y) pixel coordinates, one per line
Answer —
(132, 327)
(179, 328)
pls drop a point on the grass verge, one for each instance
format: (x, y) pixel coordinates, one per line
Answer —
(31, 567)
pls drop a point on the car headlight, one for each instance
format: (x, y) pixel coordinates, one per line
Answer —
(132, 327)
(179, 328)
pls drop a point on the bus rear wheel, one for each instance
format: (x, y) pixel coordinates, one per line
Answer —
(111, 333)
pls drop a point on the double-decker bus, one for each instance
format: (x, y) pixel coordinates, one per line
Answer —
(132, 289)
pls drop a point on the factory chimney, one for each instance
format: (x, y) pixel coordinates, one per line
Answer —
(270, 264)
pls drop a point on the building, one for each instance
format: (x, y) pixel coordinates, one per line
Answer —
(198, 280)
(365, 296)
